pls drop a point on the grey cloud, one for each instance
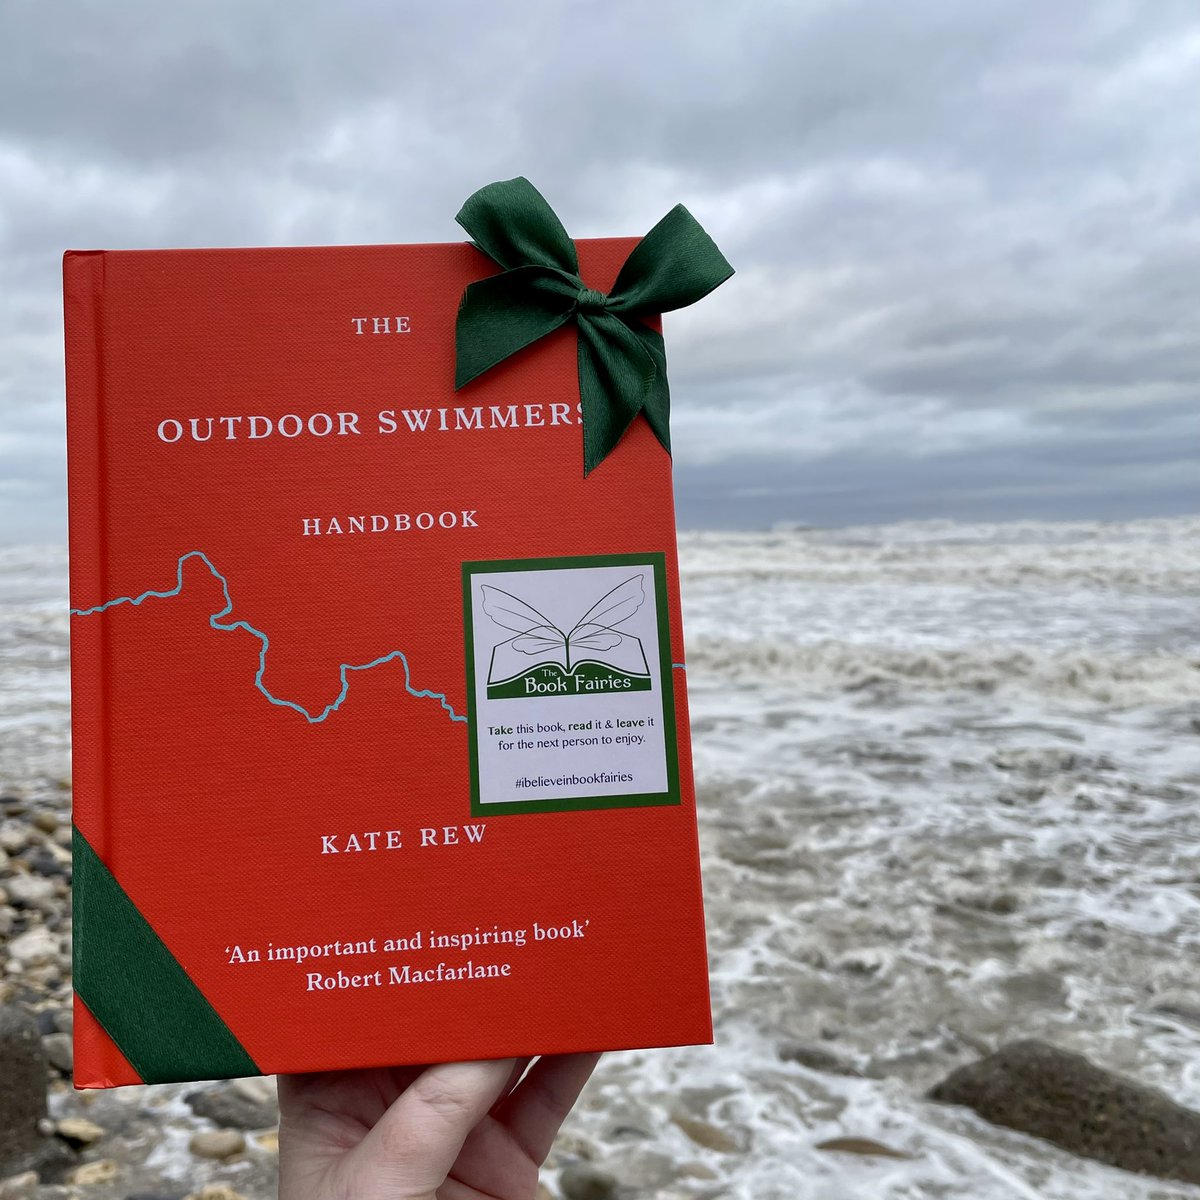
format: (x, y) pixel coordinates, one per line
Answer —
(965, 234)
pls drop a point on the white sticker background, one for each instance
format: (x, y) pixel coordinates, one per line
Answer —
(538, 756)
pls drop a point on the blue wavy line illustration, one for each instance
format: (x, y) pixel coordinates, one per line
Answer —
(229, 627)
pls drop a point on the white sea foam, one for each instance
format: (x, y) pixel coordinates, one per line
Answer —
(1071, 677)
(948, 787)
(948, 783)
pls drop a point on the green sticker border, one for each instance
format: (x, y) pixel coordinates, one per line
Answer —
(657, 561)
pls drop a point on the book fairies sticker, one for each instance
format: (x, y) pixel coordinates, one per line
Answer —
(570, 696)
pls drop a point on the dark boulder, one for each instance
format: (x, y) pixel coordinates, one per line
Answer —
(22, 1090)
(582, 1181)
(1066, 1099)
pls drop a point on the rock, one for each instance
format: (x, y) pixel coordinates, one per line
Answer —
(14, 837)
(582, 1181)
(645, 1172)
(79, 1131)
(712, 1137)
(232, 1110)
(45, 977)
(60, 1052)
(92, 1174)
(19, 1187)
(626, 1133)
(1037, 761)
(217, 1143)
(154, 1196)
(22, 1090)
(49, 866)
(815, 1058)
(53, 1161)
(268, 1141)
(46, 821)
(865, 961)
(860, 1145)
(1064, 1098)
(215, 1191)
(258, 1089)
(570, 1146)
(30, 891)
(35, 945)
(987, 900)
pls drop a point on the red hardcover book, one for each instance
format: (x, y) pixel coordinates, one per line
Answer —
(380, 719)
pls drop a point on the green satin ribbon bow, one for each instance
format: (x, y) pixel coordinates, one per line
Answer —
(622, 362)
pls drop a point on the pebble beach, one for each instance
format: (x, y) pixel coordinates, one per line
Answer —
(947, 783)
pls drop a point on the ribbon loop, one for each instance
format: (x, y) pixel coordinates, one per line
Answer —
(512, 223)
(622, 366)
(674, 265)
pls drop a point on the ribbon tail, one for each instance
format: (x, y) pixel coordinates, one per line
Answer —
(674, 265)
(616, 373)
(656, 407)
(505, 313)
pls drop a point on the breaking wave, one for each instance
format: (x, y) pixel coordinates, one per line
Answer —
(1070, 676)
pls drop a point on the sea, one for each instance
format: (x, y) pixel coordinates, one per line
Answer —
(948, 784)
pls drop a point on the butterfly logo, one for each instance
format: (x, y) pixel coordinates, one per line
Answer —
(593, 655)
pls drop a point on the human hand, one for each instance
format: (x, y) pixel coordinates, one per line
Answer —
(455, 1131)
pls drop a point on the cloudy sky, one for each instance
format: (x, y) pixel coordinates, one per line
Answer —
(967, 232)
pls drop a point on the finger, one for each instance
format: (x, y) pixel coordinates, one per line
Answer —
(538, 1105)
(417, 1140)
(359, 1095)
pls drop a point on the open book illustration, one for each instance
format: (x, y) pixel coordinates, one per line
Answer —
(544, 660)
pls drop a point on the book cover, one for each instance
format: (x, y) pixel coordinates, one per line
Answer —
(380, 725)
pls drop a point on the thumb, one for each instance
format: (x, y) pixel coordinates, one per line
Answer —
(415, 1143)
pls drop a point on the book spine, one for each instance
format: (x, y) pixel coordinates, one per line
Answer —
(83, 296)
